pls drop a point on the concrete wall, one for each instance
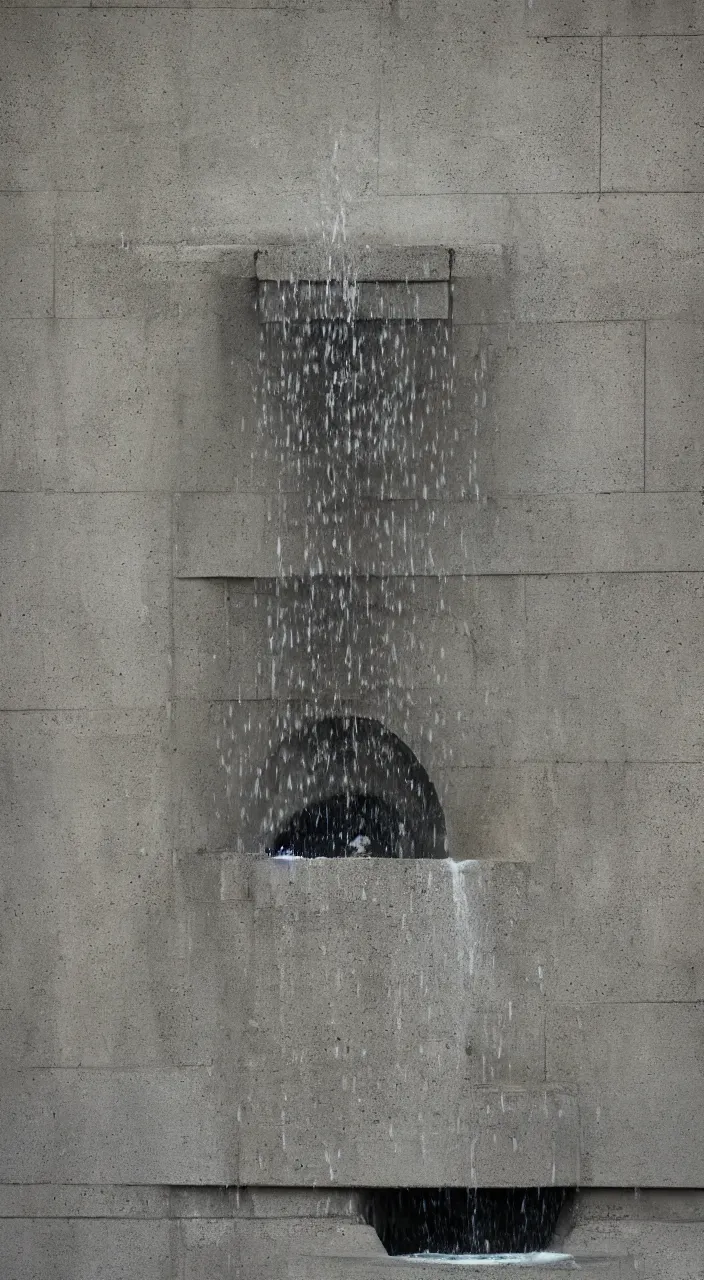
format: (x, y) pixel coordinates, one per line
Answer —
(152, 992)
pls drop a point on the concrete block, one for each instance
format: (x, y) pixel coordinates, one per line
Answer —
(154, 281)
(325, 67)
(662, 1230)
(412, 300)
(28, 1200)
(618, 257)
(161, 1126)
(564, 409)
(200, 635)
(86, 875)
(86, 621)
(617, 669)
(235, 216)
(223, 445)
(110, 82)
(26, 281)
(49, 1249)
(87, 405)
(250, 535)
(466, 109)
(638, 1070)
(359, 1103)
(127, 215)
(244, 1249)
(619, 850)
(27, 254)
(247, 523)
(663, 148)
(674, 387)
(614, 17)
(361, 262)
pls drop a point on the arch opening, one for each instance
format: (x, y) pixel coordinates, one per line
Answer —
(349, 787)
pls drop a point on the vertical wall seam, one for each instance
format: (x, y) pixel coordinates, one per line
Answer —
(645, 402)
(601, 100)
(380, 92)
(53, 256)
(173, 819)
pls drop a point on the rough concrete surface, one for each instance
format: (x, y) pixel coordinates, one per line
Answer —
(176, 1011)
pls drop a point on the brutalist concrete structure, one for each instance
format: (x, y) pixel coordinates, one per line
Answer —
(210, 1056)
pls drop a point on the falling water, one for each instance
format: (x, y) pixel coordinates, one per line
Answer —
(357, 421)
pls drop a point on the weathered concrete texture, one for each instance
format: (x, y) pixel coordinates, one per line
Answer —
(641, 1091)
(661, 148)
(359, 1100)
(161, 1233)
(674, 390)
(614, 17)
(241, 536)
(311, 79)
(467, 109)
(86, 405)
(368, 262)
(26, 254)
(617, 257)
(662, 1231)
(86, 619)
(590, 1268)
(152, 1125)
(606, 686)
(564, 410)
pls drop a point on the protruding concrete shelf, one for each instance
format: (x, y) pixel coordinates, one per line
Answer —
(320, 262)
(498, 1267)
(310, 300)
(300, 283)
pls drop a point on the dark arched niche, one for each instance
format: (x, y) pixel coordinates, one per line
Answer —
(348, 787)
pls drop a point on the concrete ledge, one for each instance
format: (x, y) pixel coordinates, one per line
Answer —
(306, 301)
(252, 536)
(363, 262)
(500, 1267)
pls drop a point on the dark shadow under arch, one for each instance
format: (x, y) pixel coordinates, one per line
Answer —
(348, 787)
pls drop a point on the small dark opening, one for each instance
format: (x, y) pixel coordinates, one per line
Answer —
(343, 826)
(456, 1220)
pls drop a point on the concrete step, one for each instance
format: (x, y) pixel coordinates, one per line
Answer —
(544, 1266)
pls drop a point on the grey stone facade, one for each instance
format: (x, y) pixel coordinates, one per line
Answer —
(176, 1012)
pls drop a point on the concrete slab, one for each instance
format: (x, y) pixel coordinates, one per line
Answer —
(154, 1125)
(614, 677)
(564, 406)
(639, 1071)
(86, 405)
(467, 110)
(498, 1267)
(365, 262)
(663, 149)
(614, 17)
(245, 536)
(613, 257)
(308, 78)
(68, 560)
(674, 386)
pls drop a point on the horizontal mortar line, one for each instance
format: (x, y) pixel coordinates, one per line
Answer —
(527, 195)
(610, 35)
(110, 708)
(105, 1069)
(106, 493)
(435, 577)
(597, 1004)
